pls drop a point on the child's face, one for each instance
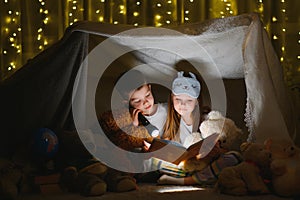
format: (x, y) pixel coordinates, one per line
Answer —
(184, 104)
(142, 99)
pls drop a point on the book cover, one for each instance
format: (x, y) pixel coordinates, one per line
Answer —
(174, 152)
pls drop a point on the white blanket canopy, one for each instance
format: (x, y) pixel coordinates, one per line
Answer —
(230, 48)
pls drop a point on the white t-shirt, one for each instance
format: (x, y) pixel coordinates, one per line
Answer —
(158, 119)
(186, 137)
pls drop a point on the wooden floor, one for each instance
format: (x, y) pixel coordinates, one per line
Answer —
(156, 192)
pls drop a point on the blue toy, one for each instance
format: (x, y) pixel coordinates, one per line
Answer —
(45, 143)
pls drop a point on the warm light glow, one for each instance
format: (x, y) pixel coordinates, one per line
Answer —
(164, 12)
(158, 17)
(178, 189)
(274, 19)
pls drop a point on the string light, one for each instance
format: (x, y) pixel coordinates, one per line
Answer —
(11, 40)
(128, 11)
(167, 10)
(41, 37)
(75, 11)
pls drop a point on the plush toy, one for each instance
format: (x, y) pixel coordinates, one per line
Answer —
(87, 179)
(285, 167)
(249, 176)
(10, 180)
(230, 138)
(118, 127)
(82, 173)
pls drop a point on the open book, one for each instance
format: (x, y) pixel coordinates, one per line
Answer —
(174, 152)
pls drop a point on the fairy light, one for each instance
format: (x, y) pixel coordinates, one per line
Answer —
(186, 14)
(74, 11)
(137, 12)
(164, 13)
(45, 19)
(97, 11)
(11, 47)
(167, 12)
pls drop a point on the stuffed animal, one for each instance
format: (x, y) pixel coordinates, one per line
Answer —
(118, 127)
(10, 180)
(88, 179)
(230, 138)
(285, 167)
(95, 178)
(248, 176)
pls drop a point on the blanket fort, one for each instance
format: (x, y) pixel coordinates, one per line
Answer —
(51, 88)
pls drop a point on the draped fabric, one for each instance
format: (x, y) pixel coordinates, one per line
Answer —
(59, 84)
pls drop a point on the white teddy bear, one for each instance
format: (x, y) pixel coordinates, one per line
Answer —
(230, 136)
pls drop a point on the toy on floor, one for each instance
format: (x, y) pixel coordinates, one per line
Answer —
(10, 180)
(249, 176)
(230, 138)
(285, 167)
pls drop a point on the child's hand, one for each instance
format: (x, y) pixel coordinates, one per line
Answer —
(135, 120)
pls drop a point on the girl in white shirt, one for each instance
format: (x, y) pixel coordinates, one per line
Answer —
(183, 121)
(183, 110)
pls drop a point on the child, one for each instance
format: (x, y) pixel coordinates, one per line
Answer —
(137, 95)
(183, 110)
(183, 120)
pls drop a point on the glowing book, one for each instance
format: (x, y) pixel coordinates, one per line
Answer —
(174, 152)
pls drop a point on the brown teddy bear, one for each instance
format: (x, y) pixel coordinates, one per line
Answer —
(11, 180)
(248, 176)
(285, 167)
(230, 138)
(90, 177)
(86, 178)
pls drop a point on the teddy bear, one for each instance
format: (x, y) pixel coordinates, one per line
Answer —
(230, 138)
(285, 167)
(82, 172)
(14, 179)
(10, 179)
(249, 176)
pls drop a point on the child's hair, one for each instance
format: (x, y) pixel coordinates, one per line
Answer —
(130, 81)
(172, 124)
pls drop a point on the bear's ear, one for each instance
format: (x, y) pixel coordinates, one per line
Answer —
(244, 146)
(268, 143)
